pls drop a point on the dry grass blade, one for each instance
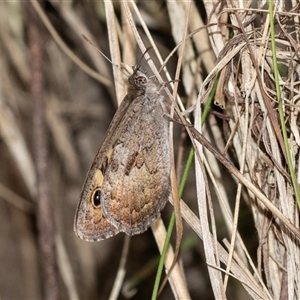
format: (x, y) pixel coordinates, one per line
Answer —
(65, 268)
(115, 50)
(209, 244)
(176, 277)
(121, 270)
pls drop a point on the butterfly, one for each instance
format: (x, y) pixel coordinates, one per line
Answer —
(128, 183)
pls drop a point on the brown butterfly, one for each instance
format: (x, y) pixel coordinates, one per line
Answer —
(128, 183)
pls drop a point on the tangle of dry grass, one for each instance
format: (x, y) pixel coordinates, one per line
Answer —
(241, 230)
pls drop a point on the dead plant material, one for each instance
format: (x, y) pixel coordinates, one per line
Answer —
(239, 203)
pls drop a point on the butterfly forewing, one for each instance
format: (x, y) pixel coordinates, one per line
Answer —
(90, 225)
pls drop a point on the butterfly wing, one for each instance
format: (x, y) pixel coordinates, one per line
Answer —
(90, 223)
(136, 183)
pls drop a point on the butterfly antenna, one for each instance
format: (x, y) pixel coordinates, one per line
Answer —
(138, 65)
(91, 43)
